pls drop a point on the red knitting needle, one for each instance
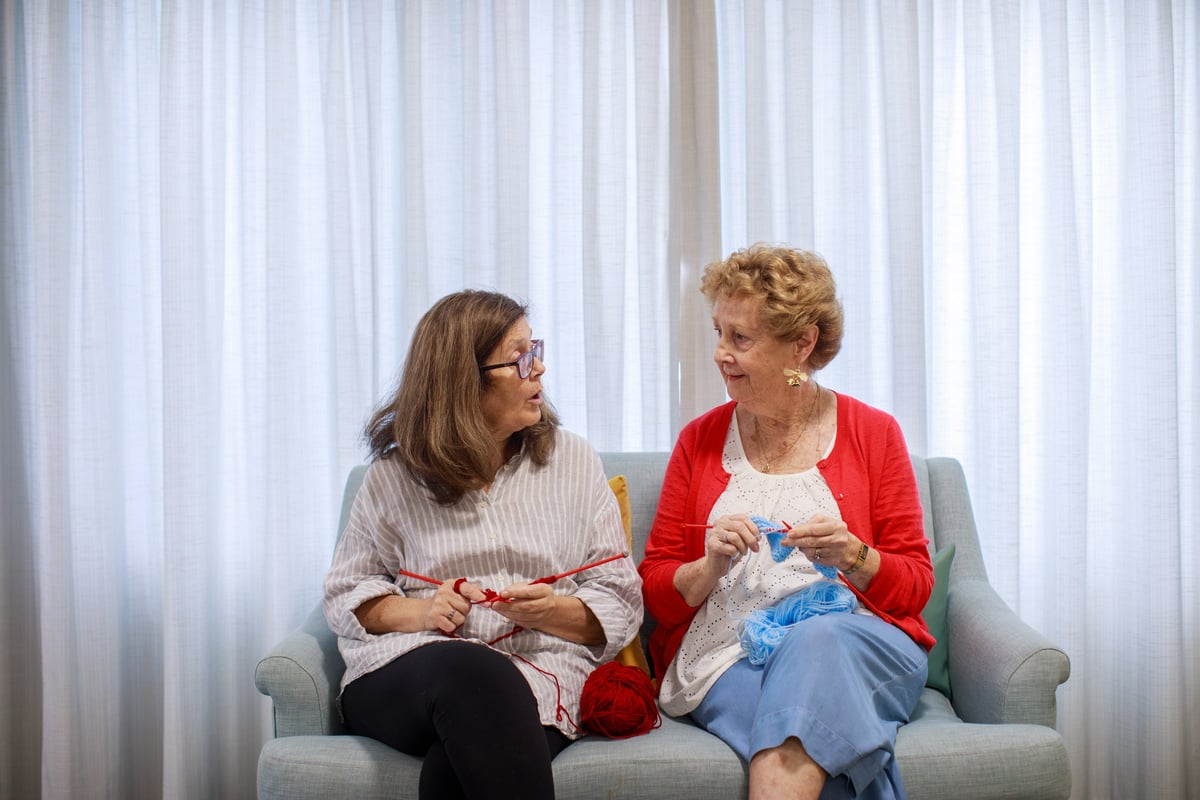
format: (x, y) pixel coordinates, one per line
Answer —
(547, 579)
(553, 578)
(434, 581)
(784, 529)
(491, 596)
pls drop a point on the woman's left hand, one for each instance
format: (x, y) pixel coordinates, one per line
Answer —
(535, 606)
(532, 604)
(825, 541)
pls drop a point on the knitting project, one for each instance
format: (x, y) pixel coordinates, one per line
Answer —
(762, 631)
(775, 531)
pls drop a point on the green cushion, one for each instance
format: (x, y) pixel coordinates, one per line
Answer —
(935, 618)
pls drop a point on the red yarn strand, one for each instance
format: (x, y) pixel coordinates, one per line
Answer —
(617, 701)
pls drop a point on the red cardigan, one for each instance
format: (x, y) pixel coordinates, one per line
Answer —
(871, 477)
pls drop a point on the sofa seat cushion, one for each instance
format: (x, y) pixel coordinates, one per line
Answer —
(942, 756)
(339, 767)
(344, 767)
(678, 759)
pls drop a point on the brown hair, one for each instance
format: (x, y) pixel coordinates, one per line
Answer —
(433, 421)
(795, 287)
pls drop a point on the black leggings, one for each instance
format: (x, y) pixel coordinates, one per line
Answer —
(468, 711)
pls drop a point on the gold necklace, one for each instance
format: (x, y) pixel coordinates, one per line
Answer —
(765, 467)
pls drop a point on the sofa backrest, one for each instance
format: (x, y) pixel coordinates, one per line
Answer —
(644, 476)
(643, 472)
(942, 486)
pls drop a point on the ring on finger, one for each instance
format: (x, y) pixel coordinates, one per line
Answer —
(818, 554)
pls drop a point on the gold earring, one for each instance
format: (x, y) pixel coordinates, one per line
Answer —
(795, 377)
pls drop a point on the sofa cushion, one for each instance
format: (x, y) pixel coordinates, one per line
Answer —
(677, 760)
(620, 490)
(942, 756)
(632, 655)
(935, 618)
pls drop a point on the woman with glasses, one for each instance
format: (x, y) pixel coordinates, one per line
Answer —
(465, 621)
(787, 566)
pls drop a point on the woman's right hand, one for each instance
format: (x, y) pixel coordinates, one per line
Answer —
(449, 606)
(446, 611)
(731, 537)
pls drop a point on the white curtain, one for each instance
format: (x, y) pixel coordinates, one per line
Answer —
(1007, 193)
(220, 222)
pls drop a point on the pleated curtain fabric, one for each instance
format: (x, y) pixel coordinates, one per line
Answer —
(220, 223)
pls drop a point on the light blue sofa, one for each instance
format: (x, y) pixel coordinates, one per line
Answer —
(997, 740)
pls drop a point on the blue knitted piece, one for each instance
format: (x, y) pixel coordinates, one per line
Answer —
(779, 551)
(765, 628)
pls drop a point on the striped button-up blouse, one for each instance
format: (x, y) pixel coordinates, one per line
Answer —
(533, 522)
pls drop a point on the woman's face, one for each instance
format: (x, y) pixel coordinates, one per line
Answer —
(510, 403)
(751, 358)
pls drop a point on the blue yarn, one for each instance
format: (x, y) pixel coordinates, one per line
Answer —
(779, 551)
(764, 628)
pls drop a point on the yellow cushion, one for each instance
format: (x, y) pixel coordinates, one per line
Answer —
(620, 488)
(632, 655)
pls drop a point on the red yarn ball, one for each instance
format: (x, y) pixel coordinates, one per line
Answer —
(618, 701)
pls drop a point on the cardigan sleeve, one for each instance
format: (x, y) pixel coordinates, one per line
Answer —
(670, 545)
(873, 482)
(692, 482)
(902, 586)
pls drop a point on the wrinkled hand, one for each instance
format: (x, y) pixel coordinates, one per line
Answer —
(532, 604)
(448, 608)
(825, 541)
(730, 537)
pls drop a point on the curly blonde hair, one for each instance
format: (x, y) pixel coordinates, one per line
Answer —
(795, 287)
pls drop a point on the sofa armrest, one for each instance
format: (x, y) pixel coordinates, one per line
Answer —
(302, 676)
(1001, 669)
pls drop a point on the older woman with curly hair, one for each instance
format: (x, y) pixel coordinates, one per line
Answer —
(816, 713)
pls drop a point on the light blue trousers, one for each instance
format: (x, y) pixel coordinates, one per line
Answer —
(842, 684)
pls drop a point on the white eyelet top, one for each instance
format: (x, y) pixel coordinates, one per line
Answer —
(711, 644)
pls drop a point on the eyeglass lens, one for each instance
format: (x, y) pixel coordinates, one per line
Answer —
(525, 362)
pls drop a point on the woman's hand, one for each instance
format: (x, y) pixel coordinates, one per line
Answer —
(535, 606)
(825, 541)
(532, 604)
(446, 611)
(449, 606)
(730, 537)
